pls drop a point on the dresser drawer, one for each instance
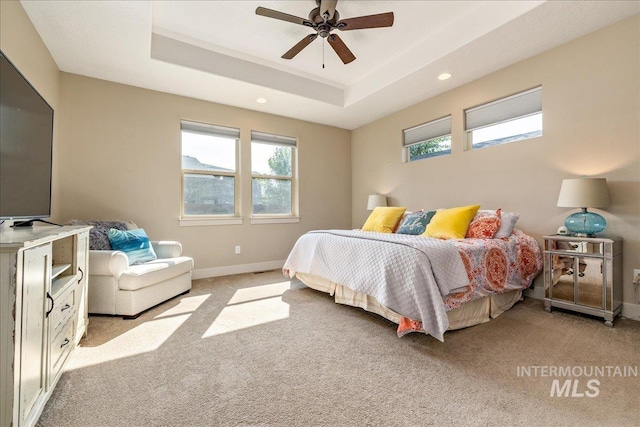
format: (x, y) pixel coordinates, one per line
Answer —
(61, 346)
(63, 309)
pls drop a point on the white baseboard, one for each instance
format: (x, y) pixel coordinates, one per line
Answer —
(631, 311)
(204, 273)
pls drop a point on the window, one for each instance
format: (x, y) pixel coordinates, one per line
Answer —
(428, 140)
(509, 119)
(273, 172)
(209, 170)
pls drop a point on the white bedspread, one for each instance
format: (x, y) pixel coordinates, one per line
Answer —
(408, 274)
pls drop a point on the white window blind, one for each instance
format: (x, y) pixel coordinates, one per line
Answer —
(509, 108)
(267, 138)
(424, 132)
(207, 129)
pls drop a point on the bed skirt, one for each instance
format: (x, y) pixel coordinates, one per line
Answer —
(471, 313)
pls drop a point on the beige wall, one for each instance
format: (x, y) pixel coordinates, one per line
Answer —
(121, 159)
(591, 109)
(117, 153)
(20, 42)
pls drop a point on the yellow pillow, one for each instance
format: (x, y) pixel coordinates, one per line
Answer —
(383, 220)
(451, 223)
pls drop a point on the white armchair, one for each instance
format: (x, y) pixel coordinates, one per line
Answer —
(117, 288)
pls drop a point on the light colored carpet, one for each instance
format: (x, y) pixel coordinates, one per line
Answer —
(259, 350)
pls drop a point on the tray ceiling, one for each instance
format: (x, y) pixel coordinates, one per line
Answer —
(221, 51)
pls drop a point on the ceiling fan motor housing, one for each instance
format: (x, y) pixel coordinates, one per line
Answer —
(323, 24)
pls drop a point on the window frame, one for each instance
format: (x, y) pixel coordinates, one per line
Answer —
(423, 133)
(507, 109)
(212, 219)
(279, 141)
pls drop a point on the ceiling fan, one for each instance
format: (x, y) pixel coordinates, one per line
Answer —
(324, 19)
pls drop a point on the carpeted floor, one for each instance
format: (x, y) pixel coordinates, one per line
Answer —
(259, 350)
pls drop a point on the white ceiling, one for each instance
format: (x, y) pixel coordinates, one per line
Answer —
(221, 51)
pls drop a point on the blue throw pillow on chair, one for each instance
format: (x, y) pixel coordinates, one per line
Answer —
(134, 243)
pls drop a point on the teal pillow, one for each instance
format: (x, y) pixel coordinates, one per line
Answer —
(415, 223)
(134, 243)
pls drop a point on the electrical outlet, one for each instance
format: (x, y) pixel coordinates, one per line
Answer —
(237, 250)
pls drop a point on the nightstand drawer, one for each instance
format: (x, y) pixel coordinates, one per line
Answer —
(577, 247)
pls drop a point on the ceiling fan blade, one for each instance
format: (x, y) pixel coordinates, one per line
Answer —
(341, 49)
(369, 21)
(269, 13)
(299, 46)
(328, 6)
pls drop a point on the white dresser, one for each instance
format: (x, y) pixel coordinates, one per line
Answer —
(43, 314)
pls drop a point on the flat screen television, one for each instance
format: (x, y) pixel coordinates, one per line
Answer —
(26, 140)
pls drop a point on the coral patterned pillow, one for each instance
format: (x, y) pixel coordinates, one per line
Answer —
(484, 226)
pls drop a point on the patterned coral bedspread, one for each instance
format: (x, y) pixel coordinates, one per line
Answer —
(495, 266)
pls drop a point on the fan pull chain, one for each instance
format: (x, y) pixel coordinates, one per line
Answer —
(323, 40)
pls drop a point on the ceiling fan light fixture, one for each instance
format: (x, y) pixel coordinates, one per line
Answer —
(444, 76)
(324, 19)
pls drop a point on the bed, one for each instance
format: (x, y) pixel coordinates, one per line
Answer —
(423, 284)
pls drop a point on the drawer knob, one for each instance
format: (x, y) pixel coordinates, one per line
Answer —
(65, 307)
(65, 342)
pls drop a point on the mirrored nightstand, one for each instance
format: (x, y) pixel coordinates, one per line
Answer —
(584, 274)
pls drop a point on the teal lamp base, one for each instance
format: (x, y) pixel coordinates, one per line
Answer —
(585, 224)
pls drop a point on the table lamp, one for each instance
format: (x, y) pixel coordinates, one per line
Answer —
(583, 193)
(376, 200)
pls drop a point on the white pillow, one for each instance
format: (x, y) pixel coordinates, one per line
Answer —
(507, 224)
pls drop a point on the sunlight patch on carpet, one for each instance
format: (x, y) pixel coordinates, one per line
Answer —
(144, 338)
(251, 307)
(186, 305)
(259, 292)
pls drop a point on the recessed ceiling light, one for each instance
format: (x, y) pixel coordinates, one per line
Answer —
(444, 76)
(261, 100)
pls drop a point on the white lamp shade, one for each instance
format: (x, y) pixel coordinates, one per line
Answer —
(584, 193)
(376, 200)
